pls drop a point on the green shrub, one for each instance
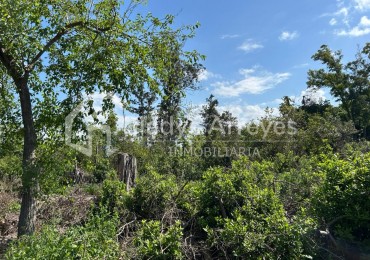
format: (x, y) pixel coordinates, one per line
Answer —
(298, 179)
(342, 201)
(252, 233)
(93, 189)
(10, 167)
(100, 169)
(221, 192)
(242, 215)
(114, 195)
(153, 194)
(154, 241)
(95, 240)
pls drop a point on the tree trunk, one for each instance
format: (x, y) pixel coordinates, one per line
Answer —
(127, 169)
(27, 217)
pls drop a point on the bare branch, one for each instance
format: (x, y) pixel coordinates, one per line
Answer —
(122, 229)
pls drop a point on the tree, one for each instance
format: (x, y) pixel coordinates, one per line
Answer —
(313, 105)
(143, 98)
(209, 114)
(77, 48)
(349, 83)
(221, 135)
(182, 76)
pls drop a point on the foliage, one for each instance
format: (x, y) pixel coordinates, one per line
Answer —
(10, 166)
(95, 240)
(55, 162)
(153, 195)
(10, 121)
(242, 215)
(113, 195)
(341, 203)
(221, 135)
(156, 241)
(57, 52)
(309, 174)
(298, 180)
(348, 83)
(251, 234)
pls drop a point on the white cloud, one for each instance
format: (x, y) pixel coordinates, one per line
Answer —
(362, 5)
(244, 113)
(247, 113)
(98, 100)
(342, 14)
(365, 22)
(229, 36)
(354, 32)
(333, 22)
(348, 11)
(206, 75)
(124, 121)
(99, 97)
(254, 82)
(363, 28)
(315, 95)
(250, 45)
(288, 36)
(301, 66)
(344, 11)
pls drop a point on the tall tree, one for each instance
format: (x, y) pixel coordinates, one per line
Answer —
(142, 104)
(182, 76)
(76, 48)
(221, 134)
(209, 114)
(349, 83)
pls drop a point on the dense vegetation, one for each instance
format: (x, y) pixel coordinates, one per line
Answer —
(291, 186)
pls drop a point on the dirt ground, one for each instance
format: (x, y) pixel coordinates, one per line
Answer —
(68, 210)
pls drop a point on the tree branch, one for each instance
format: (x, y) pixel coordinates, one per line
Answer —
(9, 62)
(53, 40)
(59, 35)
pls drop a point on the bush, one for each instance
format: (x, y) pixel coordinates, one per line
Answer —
(252, 233)
(153, 195)
(342, 202)
(298, 180)
(10, 168)
(154, 241)
(114, 195)
(221, 192)
(95, 240)
(242, 215)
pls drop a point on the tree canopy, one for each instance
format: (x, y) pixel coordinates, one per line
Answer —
(56, 52)
(349, 83)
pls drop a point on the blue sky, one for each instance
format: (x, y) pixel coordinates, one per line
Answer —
(259, 51)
